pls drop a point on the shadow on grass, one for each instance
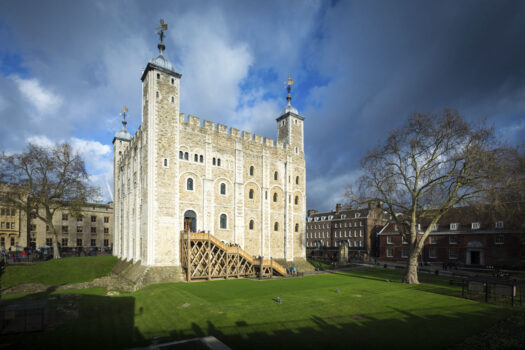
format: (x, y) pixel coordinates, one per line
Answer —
(79, 321)
(408, 331)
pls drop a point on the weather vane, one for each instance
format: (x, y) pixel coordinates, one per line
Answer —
(160, 32)
(289, 84)
(123, 114)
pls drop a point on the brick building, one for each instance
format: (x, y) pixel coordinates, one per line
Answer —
(462, 236)
(357, 227)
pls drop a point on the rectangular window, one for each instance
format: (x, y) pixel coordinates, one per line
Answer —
(360, 233)
(3, 211)
(13, 212)
(499, 240)
(93, 230)
(65, 229)
(433, 239)
(7, 225)
(64, 242)
(106, 229)
(475, 226)
(2, 242)
(499, 224)
(361, 243)
(12, 225)
(12, 241)
(33, 227)
(93, 242)
(404, 253)
(453, 226)
(79, 242)
(432, 253)
(64, 217)
(435, 227)
(388, 239)
(47, 228)
(80, 218)
(106, 219)
(390, 252)
(93, 218)
(2, 225)
(452, 240)
(79, 229)
(452, 253)
(49, 242)
(404, 241)
(106, 243)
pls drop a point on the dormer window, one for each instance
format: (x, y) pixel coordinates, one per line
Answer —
(357, 215)
(388, 239)
(475, 226)
(499, 224)
(435, 227)
(330, 217)
(453, 226)
(323, 218)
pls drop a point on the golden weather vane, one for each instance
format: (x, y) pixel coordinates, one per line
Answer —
(160, 30)
(289, 84)
(124, 112)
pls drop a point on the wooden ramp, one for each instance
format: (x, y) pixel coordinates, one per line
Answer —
(210, 258)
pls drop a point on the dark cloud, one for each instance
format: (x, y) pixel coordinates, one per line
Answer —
(360, 69)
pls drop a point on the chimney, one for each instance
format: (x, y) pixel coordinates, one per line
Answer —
(338, 207)
(371, 205)
(311, 212)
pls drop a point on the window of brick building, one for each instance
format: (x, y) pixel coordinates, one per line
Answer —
(93, 242)
(12, 241)
(454, 226)
(475, 225)
(432, 253)
(64, 217)
(106, 229)
(106, 243)
(49, 242)
(65, 229)
(432, 239)
(64, 242)
(79, 229)
(93, 230)
(499, 224)
(33, 227)
(404, 253)
(80, 218)
(106, 219)
(499, 240)
(390, 252)
(388, 239)
(93, 218)
(79, 242)
(452, 239)
(452, 253)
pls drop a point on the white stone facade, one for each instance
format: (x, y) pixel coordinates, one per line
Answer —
(256, 182)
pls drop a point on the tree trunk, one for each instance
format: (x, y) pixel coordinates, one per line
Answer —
(56, 252)
(411, 270)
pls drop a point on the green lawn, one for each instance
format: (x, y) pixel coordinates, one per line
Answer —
(58, 272)
(367, 313)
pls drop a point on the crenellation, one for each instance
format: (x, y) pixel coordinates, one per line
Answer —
(222, 128)
(235, 132)
(247, 135)
(258, 138)
(193, 120)
(209, 125)
(268, 142)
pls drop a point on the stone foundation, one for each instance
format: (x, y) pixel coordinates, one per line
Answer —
(140, 276)
(301, 264)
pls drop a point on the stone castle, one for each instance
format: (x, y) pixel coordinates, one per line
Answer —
(177, 174)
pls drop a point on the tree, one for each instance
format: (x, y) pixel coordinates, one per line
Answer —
(43, 180)
(430, 165)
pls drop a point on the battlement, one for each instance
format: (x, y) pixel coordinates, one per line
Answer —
(242, 135)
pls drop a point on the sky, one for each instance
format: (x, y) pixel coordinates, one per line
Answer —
(360, 69)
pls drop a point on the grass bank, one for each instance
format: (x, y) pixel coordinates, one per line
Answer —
(59, 272)
(362, 309)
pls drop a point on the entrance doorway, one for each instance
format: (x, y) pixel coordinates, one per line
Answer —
(475, 257)
(190, 221)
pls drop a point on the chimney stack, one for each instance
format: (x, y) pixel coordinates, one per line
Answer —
(311, 212)
(338, 207)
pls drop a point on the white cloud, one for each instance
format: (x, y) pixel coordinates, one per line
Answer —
(41, 98)
(327, 190)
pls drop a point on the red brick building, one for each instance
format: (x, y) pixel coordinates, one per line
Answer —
(325, 232)
(464, 237)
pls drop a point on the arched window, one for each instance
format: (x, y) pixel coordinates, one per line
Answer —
(251, 170)
(189, 184)
(186, 155)
(296, 200)
(250, 194)
(275, 197)
(224, 221)
(276, 226)
(172, 99)
(181, 154)
(218, 162)
(157, 94)
(223, 188)
(296, 227)
(275, 175)
(297, 180)
(172, 81)
(158, 76)
(213, 161)
(201, 158)
(195, 157)
(251, 224)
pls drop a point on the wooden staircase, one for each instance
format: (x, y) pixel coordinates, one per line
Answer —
(204, 256)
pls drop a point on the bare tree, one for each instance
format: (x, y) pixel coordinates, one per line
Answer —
(43, 180)
(430, 165)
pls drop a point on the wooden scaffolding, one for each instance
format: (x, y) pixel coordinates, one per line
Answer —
(205, 257)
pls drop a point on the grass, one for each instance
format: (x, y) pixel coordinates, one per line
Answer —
(319, 264)
(337, 310)
(59, 272)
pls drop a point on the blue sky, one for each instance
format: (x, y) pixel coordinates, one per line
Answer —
(360, 68)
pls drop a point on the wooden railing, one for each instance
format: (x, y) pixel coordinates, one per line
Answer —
(205, 256)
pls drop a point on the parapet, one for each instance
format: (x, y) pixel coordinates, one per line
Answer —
(193, 120)
(222, 128)
(209, 125)
(235, 132)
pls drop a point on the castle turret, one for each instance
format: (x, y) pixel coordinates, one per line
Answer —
(290, 124)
